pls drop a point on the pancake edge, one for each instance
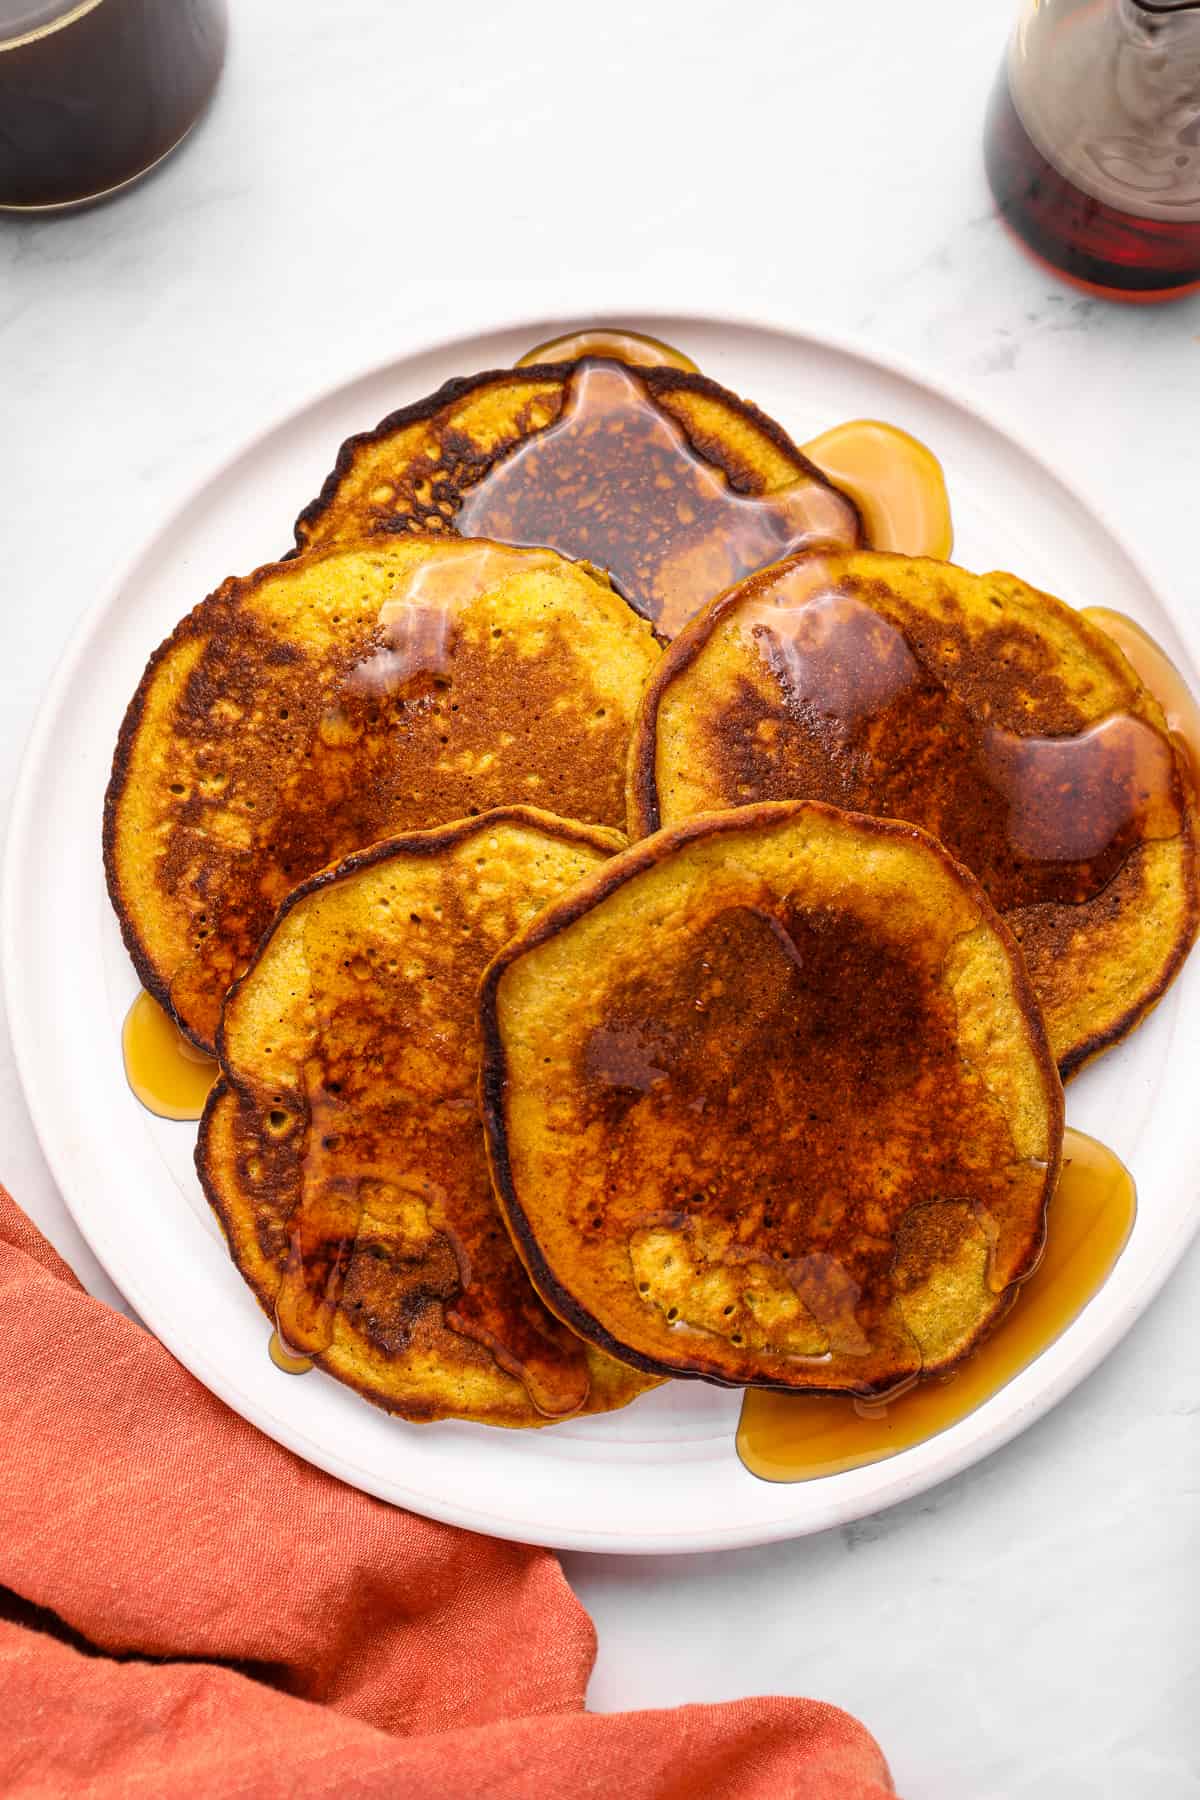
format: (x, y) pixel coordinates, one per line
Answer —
(144, 967)
(189, 628)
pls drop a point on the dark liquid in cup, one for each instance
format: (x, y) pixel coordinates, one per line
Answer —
(93, 95)
(1093, 244)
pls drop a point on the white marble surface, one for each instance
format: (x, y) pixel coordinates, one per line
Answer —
(370, 174)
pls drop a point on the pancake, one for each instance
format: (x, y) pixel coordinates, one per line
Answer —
(326, 702)
(343, 1151)
(769, 1101)
(977, 707)
(658, 475)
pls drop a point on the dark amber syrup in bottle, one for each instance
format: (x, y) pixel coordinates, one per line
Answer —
(1120, 255)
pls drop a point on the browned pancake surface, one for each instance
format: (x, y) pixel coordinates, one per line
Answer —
(976, 707)
(329, 701)
(666, 480)
(343, 1149)
(770, 1101)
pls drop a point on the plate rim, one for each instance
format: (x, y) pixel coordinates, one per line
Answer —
(418, 343)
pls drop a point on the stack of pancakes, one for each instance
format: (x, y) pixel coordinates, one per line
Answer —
(642, 927)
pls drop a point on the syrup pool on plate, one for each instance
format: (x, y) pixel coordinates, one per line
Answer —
(285, 1359)
(896, 482)
(798, 1437)
(631, 347)
(165, 1070)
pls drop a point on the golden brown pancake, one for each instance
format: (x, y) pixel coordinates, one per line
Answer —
(769, 1101)
(326, 702)
(974, 706)
(666, 480)
(343, 1149)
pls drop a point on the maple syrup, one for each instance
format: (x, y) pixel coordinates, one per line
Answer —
(1094, 246)
(1091, 143)
(93, 94)
(800, 1437)
(615, 481)
(285, 1359)
(896, 482)
(416, 622)
(631, 347)
(874, 727)
(1154, 667)
(166, 1072)
(322, 1232)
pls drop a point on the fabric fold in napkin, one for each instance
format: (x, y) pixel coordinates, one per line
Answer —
(191, 1609)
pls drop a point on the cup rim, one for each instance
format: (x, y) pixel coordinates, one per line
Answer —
(51, 25)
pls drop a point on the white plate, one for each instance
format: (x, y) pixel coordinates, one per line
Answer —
(663, 1474)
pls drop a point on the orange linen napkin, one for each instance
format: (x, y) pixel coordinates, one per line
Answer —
(192, 1609)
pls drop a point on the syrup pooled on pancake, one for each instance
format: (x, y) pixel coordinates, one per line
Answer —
(343, 1150)
(615, 480)
(983, 711)
(659, 476)
(326, 702)
(769, 1101)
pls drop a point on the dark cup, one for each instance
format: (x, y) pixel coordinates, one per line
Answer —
(93, 93)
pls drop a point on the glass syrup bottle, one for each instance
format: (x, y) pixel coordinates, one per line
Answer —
(1092, 145)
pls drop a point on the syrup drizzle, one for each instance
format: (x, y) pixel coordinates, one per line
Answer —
(166, 1072)
(896, 482)
(631, 347)
(322, 1231)
(284, 1359)
(615, 482)
(873, 727)
(800, 1437)
(416, 622)
(1153, 666)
